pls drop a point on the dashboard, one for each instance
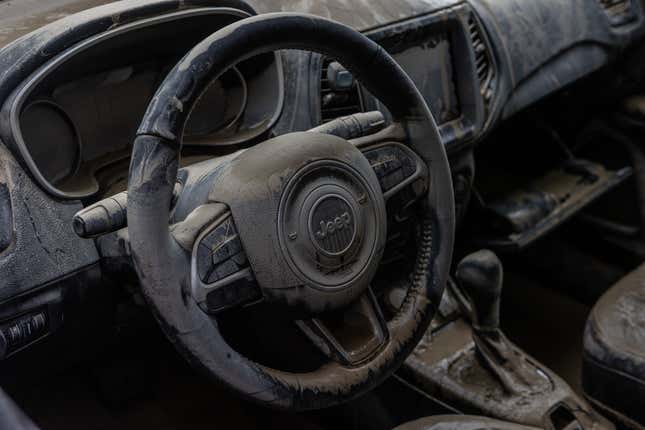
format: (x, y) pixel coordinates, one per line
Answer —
(72, 94)
(73, 118)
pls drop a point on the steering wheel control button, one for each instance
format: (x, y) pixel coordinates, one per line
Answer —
(332, 225)
(392, 165)
(235, 290)
(221, 276)
(220, 253)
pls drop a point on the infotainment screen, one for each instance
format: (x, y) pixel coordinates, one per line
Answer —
(428, 61)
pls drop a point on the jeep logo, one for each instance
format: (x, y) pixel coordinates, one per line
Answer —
(330, 227)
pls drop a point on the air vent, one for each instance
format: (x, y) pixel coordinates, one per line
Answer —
(339, 97)
(619, 12)
(483, 61)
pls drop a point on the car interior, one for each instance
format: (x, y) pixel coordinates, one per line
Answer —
(330, 214)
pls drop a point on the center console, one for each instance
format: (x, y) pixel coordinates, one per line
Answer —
(467, 361)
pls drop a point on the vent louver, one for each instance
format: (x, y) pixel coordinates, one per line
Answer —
(335, 103)
(483, 61)
(618, 11)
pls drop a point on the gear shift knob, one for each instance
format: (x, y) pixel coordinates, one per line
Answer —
(480, 276)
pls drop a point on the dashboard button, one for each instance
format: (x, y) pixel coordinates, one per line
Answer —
(21, 331)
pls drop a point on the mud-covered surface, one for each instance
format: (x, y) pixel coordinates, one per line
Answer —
(153, 169)
(461, 422)
(19, 17)
(434, 50)
(43, 245)
(541, 46)
(450, 366)
(476, 367)
(619, 319)
(614, 348)
(572, 40)
(359, 14)
(528, 213)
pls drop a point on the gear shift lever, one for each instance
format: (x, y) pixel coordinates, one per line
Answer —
(480, 275)
(479, 278)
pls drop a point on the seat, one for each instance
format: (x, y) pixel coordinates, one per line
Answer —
(460, 422)
(613, 374)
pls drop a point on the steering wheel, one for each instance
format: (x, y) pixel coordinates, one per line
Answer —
(298, 221)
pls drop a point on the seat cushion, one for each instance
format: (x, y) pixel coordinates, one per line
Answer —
(460, 422)
(614, 350)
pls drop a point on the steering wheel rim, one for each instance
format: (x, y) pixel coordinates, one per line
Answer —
(153, 172)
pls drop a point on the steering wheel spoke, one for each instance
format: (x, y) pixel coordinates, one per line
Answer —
(220, 276)
(352, 335)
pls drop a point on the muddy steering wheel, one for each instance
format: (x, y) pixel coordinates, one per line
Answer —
(307, 211)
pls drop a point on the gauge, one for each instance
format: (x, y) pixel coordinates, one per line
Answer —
(220, 107)
(52, 139)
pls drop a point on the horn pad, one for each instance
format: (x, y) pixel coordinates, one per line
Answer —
(330, 225)
(311, 215)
